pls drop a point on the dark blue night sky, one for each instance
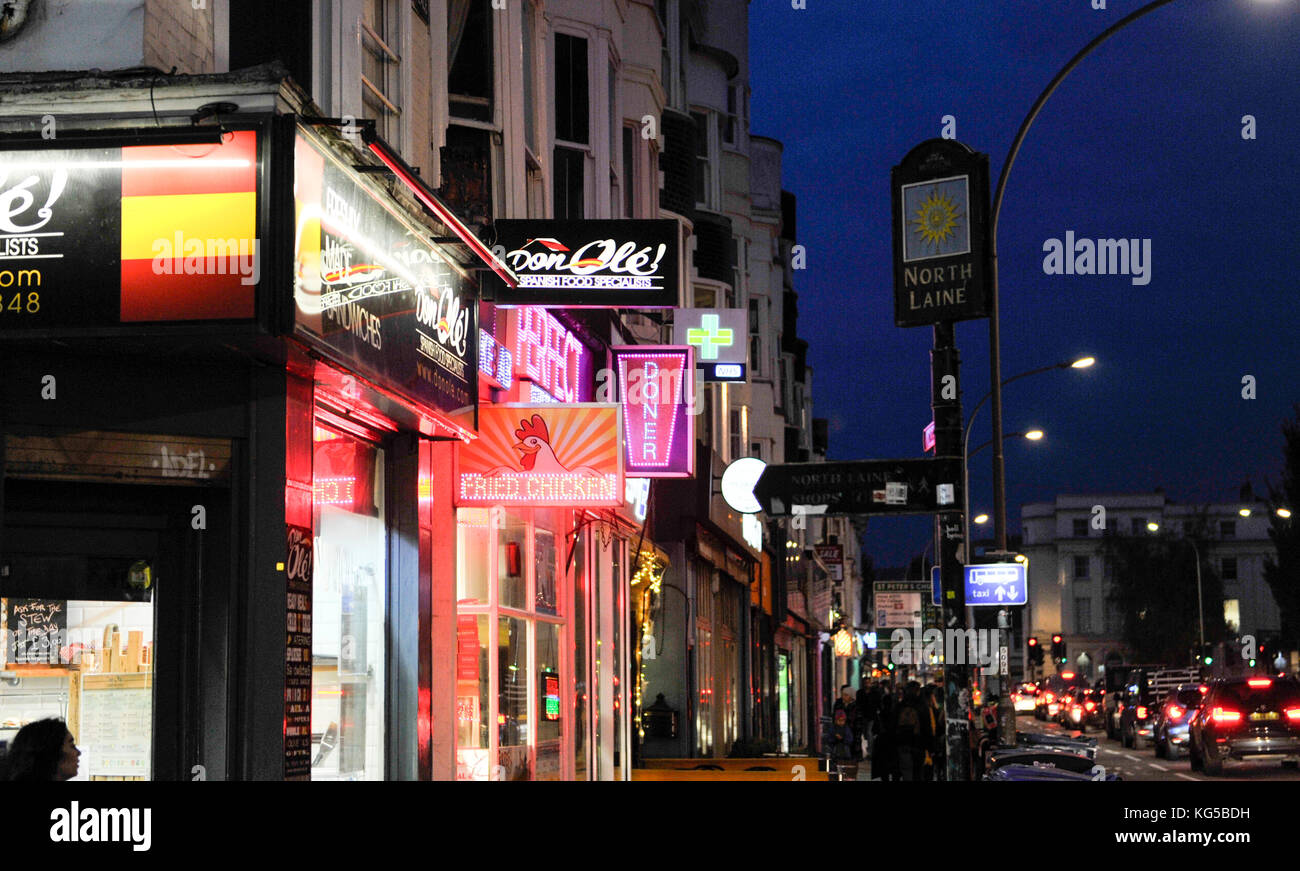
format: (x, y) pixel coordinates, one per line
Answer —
(1143, 140)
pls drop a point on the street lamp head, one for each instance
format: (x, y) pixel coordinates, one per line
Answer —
(1244, 512)
(1083, 362)
(1152, 526)
(1034, 435)
(981, 518)
(1284, 513)
(1021, 558)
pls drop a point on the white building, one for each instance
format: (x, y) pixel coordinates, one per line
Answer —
(1070, 583)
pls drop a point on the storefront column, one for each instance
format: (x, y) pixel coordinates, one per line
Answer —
(441, 561)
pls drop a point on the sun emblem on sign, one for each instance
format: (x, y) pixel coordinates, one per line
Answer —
(935, 219)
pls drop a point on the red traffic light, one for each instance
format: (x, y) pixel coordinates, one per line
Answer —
(1056, 639)
(1032, 641)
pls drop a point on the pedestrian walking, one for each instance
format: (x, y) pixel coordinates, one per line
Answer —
(848, 704)
(884, 755)
(912, 732)
(868, 702)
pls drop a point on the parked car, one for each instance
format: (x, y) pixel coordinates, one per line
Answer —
(1173, 718)
(1023, 773)
(1143, 692)
(1040, 756)
(1246, 717)
(1080, 745)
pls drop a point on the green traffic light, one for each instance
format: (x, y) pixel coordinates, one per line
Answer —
(1252, 663)
(1209, 660)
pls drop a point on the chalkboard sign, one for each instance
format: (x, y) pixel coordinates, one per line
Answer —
(38, 629)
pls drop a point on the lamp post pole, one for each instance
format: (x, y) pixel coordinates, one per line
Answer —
(995, 346)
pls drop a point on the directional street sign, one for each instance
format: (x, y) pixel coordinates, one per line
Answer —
(996, 584)
(863, 487)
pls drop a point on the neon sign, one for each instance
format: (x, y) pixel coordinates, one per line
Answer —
(547, 354)
(495, 360)
(719, 336)
(333, 491)
(568, 455)
(655, 385)
(551, 695)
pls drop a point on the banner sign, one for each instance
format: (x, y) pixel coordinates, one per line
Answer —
(720, 337)
(605, 263)
(373, 292)
(95, 237)
(540, 455)
(656, 385)
(940, 196)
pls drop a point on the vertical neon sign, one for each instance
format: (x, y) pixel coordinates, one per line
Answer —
(656, 383)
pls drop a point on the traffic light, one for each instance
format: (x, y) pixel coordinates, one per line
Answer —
(1035, 650)
(1058, 648)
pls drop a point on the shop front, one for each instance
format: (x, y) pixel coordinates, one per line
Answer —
(234, 376)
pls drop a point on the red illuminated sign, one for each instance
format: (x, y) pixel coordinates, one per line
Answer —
(655, 388)
(539, 455)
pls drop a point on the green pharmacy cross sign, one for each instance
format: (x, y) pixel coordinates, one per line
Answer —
(719, 334)
(709, 337)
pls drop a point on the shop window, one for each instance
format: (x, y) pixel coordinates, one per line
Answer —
(514, 707)
(349, 602)
(472, 536)
(512, 542)
(551, 711)
(89, 663)
(467, 173)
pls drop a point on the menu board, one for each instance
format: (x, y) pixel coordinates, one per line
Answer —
(117, 725)
(297, 655)
(37, 630)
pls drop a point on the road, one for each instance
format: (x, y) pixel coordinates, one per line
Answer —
(1142, 764)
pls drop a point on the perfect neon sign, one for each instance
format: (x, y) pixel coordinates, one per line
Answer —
(547, 354)
(655, 385)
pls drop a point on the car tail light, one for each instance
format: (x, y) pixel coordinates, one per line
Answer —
(1049, 698)
(1176, 712)
(1141, 712)
(1293, 716)
(1090, 705)
(1223, 717)
(1260, 683)
(1203, 689)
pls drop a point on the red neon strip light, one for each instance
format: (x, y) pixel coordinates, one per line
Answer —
(422, 192)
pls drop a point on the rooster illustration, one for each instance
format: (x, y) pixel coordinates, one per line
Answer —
(538, 454)
(535, 442)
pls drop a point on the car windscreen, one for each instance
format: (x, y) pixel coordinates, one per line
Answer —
(1189, 698)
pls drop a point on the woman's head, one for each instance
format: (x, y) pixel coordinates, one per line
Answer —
(43, 750)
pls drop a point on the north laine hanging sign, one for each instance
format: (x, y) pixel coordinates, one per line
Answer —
(940, 198)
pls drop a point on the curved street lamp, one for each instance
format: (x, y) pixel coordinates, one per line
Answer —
(995, 338)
